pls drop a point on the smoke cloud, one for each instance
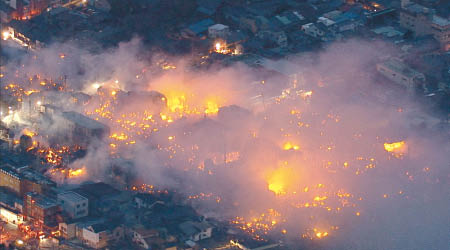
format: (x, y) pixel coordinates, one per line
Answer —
(305, 163)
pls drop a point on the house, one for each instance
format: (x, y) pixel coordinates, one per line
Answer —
(218, 31)
(348, 21)
(312, 30)
(289, 20)
(67, 229)
(276, 36)
(73, 228)
(195, 231)
(401, 74)
(144, 200)
(324, 29)
(101, 235)
(144, 238)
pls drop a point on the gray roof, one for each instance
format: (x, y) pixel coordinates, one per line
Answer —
(388, 31)
(42, 201)
(82, 120)
(399, 66)
(72, 196)
(281, 66)
(189, 228)
(417, 9)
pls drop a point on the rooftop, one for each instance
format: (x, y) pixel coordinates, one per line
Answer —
(399, 66)
(190, 227)
(218, 26)
(440, 21)
(42, 201)
(72, 196)
(9, 171)
(281, 66)
(144, 232)
(82, 120)
(36, 177)
(201, 26)
(98, 189)
(417, 9)
(388, 31)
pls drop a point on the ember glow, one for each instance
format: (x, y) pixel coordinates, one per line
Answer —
(301, 158)
(281, 179)
(396, 147)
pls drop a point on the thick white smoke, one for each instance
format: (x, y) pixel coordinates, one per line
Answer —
(321, 145)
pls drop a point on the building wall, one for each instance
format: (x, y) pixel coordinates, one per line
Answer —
(409, 82)
(417, 23)
(30, 186)
(90, 238)
(312, 30)
(10, 181)
(36, 213)
(442, 34)
(68, 231)
(10, 216)
(95, 240)
(75, 209)
(218, 33)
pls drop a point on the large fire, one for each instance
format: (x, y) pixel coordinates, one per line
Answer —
(281, 180)
(395, 146)
(398, 149)
(295, 168)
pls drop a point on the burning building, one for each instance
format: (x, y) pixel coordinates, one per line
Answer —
(25, 9)
(11, 180)
(74, 128)
(23, 181)
(41, 209)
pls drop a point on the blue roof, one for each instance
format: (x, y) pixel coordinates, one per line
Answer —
(201, 26)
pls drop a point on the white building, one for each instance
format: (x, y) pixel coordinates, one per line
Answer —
(400, 73)
(11, 216)
(100, 235)
(74, 204)
(312, 30)
(218, 31)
